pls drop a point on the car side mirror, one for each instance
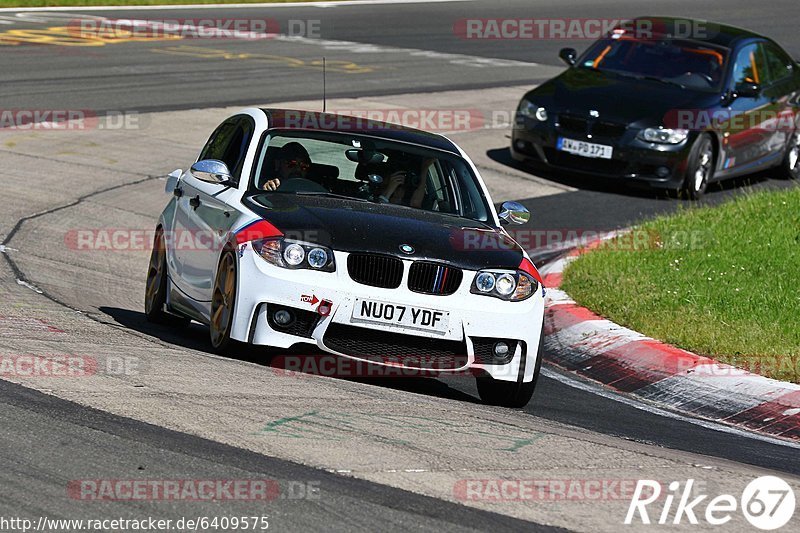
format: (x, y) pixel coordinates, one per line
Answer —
(213, 171)
(513, 213)
(568, 56)
(747, 90)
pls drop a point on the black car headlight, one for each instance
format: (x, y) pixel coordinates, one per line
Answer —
(663, 135)
(286, 253)
(511, 285)
(527, 108)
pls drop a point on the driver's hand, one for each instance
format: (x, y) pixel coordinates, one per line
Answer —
(272, 185)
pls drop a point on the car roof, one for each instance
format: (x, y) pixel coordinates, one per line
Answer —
(715, 33)
(318, 121)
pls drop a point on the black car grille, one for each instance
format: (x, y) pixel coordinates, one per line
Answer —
(397, 348)
(375, 270)
(484, 350)
(597, 128)
(585, 164)
(302, 326)
(434, 278)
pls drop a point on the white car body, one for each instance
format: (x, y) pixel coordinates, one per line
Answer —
(197, 236)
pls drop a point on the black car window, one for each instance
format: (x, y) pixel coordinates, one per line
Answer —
(749, 66)
(229, 143)
(218, 142)
(694, 65)
(779, 65)
(431, 180)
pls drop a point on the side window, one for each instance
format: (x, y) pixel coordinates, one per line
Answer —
(237, 147)
(779, 65)
(218, 142)
(229, 144)
(749, 66)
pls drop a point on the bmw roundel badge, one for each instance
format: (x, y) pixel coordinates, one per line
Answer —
(406, 248)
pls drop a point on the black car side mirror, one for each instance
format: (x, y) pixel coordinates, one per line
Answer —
(747, 90)
(568, 56)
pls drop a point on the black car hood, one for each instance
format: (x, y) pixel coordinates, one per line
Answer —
(616, 98)
(357, 226)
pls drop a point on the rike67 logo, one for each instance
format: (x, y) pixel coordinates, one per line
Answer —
(767, 503)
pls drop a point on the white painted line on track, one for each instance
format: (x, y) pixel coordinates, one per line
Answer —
(337, 3)
(30, 286)
(638, 404)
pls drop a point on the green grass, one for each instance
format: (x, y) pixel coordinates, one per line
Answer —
(718, 281)
(54, 3)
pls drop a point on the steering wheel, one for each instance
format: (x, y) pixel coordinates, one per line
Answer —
(301, 185)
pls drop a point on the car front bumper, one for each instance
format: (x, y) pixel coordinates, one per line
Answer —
(656, 165)
(475, 322)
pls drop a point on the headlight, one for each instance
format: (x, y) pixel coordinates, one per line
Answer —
(506, 284)
(294, 254)
(513, 285)
(289, 254)
(485, 282)
(663, 135)
(529, 109)
(317, 258)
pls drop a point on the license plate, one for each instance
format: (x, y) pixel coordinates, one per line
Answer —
(397, 315)
(585, 149)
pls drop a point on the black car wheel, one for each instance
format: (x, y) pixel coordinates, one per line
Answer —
(791, 162)
(511, 393)
(700, 169)
(155, 296)
(223, 302)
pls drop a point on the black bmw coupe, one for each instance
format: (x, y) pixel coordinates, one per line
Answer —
(667, 108)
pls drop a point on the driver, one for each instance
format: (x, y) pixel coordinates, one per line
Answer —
(291, 162)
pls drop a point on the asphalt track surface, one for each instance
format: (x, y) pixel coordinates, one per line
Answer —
(152, 76)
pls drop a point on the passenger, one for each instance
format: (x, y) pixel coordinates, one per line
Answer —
(395, 190)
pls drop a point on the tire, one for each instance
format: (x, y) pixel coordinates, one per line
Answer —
(223, 303)
(155, 294)
(514, 394)
(700, 169)
(790, 168)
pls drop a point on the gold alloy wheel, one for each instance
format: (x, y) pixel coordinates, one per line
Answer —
(154, 297)
(222, 301)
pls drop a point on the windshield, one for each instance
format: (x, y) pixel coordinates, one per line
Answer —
(686, 63)
(365, 168)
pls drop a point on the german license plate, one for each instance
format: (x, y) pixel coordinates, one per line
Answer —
(584, 148)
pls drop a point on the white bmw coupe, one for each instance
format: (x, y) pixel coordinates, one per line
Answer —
(368, 240)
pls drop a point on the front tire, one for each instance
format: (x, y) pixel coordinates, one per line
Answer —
(155, 295)
(223, 303)
(791, 162)
(514, 394)
(700, 169)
